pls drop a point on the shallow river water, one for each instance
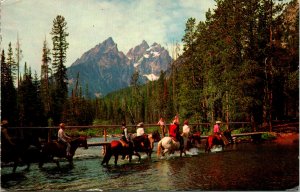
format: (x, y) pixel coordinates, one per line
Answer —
(265, 166)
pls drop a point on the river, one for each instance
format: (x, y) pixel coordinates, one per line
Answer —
(245, 166)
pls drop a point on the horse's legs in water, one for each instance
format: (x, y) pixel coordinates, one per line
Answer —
(164, 152)
(28, 166)
(15, 166)
(149, 154)
(41, 163)
(182, 151)
(106, 158)
(70, 159)
(57, 163)
(130, 157)
(116, 158)
(43, 158)
(137, 154)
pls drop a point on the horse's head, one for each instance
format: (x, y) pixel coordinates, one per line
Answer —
(227, 134)
(196, 137)
(80, 142)
(156, 136)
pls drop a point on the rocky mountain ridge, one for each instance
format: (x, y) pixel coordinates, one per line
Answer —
(104, 69)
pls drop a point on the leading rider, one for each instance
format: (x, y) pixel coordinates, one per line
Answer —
(63, 138)
(219, 134)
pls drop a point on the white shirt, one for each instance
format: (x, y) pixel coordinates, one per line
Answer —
(186, 129)
(140, 131)
(62, 136)
(125, 132)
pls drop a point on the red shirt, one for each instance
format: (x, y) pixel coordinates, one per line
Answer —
(173, 130)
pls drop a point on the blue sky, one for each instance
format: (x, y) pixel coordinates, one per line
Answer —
(90, 22)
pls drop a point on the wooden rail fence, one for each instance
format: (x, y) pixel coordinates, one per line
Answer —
(105, 127)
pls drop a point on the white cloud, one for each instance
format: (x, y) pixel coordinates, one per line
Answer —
(90, 22)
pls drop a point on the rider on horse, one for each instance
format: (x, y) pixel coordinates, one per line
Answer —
(63, 138)
(162, 126)
(218, 133)
(124, 137)
(140, 132)
(186, 133)
(174, 130)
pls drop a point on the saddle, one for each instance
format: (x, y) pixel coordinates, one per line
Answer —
(62, 145)
(124, 143)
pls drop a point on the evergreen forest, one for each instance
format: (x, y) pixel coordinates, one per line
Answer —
(239, 65)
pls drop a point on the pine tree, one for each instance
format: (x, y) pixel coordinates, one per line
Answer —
(19, 58)
(59, 51)
(45, 82)
(11, 63)
(8, 93)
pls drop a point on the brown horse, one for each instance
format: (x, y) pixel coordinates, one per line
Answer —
(194, 140)
(116, 148)
(56, 149)
(142, 143)
(213, 140)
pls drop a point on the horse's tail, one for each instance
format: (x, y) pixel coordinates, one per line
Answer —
(107, 154)
(159, 148)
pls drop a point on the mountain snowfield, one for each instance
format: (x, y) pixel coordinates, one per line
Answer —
(104, 69)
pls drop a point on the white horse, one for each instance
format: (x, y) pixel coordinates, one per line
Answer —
(168, 145)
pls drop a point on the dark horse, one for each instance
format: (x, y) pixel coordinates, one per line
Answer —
(17, 150)
(145, 143)
(142, 143)
(213, 140)
(56, 149)
(194, 140)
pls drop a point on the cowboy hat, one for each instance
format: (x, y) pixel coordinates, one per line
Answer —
(218, 122)
(141, 124)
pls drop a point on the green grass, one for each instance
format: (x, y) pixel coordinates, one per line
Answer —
(268, 136)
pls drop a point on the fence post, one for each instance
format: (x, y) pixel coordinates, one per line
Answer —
(105, 139)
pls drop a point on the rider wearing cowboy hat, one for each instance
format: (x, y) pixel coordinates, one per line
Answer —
(140, 130)
(217, 128)
(218, 132)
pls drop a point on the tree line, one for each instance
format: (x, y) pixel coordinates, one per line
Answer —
(240, 64)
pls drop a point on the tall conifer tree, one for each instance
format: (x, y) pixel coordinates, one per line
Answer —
(59, 52)
(8, 93)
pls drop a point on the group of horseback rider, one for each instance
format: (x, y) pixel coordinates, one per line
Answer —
(140, 132)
